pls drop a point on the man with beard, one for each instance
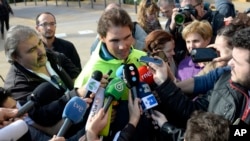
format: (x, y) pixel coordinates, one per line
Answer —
(46, 26)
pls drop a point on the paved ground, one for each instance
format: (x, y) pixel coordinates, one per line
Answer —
(74, 23)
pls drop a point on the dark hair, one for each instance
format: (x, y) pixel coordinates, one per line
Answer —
(205, 126)
(4, 94)
(156, 40)
(113, 17)
(228, 32)
(37, 22)
(241, 39)
(241, 20)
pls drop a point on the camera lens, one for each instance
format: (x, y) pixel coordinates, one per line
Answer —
(179, 19)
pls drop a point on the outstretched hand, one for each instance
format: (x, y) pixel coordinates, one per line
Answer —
(159, 118)
(160, 73)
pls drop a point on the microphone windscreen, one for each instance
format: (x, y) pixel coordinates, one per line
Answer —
(75, 109)
(97, 75)
(13, 131)
(115, 88)
(119, 72)
(145, 75)
(45, 93)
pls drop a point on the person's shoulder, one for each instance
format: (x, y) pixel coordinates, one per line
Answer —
(63, 41)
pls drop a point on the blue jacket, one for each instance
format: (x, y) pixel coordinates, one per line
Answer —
(225, 7)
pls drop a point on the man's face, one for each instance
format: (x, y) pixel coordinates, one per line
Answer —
(118, 41)
(166, 9)
(31, 54)
(46, 26)
(198, 6)
(240, 67)
(195, 40)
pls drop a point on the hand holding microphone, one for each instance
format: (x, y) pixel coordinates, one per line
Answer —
(135, 110)
(159, 118)
(73, 114)
(95, 124)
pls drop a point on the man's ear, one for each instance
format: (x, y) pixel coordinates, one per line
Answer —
(102, 39)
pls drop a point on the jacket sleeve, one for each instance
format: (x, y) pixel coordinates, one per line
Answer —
(204, 83)
(127, 133)
(178, 107)
(50, 114)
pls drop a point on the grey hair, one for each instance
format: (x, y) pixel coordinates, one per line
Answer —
(15, 35)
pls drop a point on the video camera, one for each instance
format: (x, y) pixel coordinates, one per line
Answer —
(184, 14)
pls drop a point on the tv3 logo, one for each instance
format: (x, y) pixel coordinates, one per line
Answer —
(93, 85)
(119, 86)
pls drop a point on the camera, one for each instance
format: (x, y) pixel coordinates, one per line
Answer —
(185, 13)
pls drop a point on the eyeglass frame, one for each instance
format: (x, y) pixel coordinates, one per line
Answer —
(47, 24)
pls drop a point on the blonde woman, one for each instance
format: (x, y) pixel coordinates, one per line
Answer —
(148, 16)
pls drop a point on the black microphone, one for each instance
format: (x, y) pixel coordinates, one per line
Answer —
(93, 83)
(131, 78)
(43, 94)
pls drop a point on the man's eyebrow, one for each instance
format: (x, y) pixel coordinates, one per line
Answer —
(115, 39)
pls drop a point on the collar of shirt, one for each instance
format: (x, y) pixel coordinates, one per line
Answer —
(51, 72)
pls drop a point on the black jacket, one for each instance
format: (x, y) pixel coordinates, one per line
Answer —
(68, 49)
(22, 82)
(227, 99)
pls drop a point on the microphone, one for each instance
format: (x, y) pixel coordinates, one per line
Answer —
(72, 113)
(131, 78)
(97, 103)
(13, 131)
(115, 89)
(148, 99)
(98, 100)
(93, 83)
(43, 94)
(146, 76)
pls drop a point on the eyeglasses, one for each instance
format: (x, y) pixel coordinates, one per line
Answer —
(47, 24)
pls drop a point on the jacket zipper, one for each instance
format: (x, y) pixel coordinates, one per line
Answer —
(247, 108)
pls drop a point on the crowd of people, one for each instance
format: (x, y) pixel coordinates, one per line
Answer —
(195, 100)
